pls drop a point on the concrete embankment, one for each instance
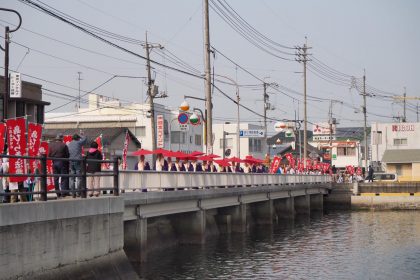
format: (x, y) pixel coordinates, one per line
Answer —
(65, 239)
(374, 196)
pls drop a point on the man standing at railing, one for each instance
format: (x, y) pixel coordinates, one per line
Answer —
(58, 149)
(75, 152)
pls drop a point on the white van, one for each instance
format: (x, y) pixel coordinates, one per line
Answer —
(383, 177)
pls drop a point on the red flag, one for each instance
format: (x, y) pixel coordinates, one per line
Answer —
(2, 134)
(67, 139)
(43, 149)
(125, 150)
(16, 129)
(300, 165)
(350, 169)
(34, 141)
(308, 164)
(275, 164)
(98, 140)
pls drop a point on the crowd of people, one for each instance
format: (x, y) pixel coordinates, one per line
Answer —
(352, 174)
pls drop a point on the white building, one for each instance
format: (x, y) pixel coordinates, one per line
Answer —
(255, 146)
(396, 148)
(106, 112)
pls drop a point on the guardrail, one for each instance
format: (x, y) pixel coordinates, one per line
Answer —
(153, 181)
(42, 176)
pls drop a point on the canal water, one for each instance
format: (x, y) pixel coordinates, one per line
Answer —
(339, 245)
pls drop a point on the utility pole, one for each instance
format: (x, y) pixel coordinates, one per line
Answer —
(151, 95)
(303, 58)
(330, 122)
(79, 78)
(209, 120)
(365, 119)
(405, 103)
(417, 111)
(7, 32)
(265, 114)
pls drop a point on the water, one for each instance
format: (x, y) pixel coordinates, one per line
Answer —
(342, 245)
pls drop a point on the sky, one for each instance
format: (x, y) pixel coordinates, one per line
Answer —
(345, 38)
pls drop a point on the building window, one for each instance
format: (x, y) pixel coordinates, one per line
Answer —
(177, 137)
(255, 145)
(140, 131)
(165, 128)
(198, 140)
(228, 143)
(400, 141)
(346, 151)
(20, 109)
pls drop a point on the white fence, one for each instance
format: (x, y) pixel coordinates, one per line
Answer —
(151, 180)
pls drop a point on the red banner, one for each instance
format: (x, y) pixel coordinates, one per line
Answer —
(67, 139)
(275, 164)
(325, 167)
(308, 164)
(16, 129)
(291, 159)
(98, 140)
(125, 150)
(34, 142)
(350, 169)
(2, 134)
(43, 149)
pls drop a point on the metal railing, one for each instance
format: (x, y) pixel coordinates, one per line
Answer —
(152, 181)
(42, 177)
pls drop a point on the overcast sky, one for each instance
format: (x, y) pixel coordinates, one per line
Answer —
(381, 36)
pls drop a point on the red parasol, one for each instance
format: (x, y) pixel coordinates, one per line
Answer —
(141, 152)
(165, 153)
(206, 158)
(213, 156)
(196, 154)
(222, 162)
(235, 159)
(179, 154)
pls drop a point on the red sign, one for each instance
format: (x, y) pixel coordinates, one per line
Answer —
(2, 133)
(275, 164)
(126, 141)
(43, 149)
(16, 129)
(34, 141)
(350, 169)
(159, 123)
(403, 127)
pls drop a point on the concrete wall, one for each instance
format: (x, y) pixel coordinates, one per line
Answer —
(38, 237)
(385, 202)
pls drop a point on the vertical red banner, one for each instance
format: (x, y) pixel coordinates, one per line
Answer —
(34, 142)
(43, 149)
(98, 140)
(275, 164)
(2, 134)
(67, 139)
(125, 150)
(16, 129)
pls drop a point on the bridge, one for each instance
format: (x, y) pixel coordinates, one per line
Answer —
(153, 210)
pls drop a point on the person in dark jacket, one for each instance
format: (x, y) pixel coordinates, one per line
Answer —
(370, 173)
(195, 166)
(57, 149)
(75, 152)
(92, 168)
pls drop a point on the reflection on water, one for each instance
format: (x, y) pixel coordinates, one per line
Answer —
(346, 245)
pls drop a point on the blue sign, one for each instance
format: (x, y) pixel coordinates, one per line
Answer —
(252, 133)
(182, 118)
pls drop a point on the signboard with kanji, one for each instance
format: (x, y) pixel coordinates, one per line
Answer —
(159, 132)
(252, 133)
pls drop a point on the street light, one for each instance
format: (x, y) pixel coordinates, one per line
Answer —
(7, 32)
(238, 153)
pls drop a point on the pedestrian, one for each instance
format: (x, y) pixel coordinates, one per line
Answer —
(58, 149)
(161, 164)
(370, 174)
(92, 168)
(178, 165)
(142, 165)
(75, 155)
(195, 166)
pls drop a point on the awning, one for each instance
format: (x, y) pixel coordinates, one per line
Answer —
(401, 156)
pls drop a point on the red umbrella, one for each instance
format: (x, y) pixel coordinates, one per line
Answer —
(206, 158)
(196, 154)
(235, 159)
(179, 154)
(141, 152)
(251, 159)
(165, 153)
(222, 162)
(213, 156)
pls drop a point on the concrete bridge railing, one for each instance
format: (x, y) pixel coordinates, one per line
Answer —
(151, 180)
